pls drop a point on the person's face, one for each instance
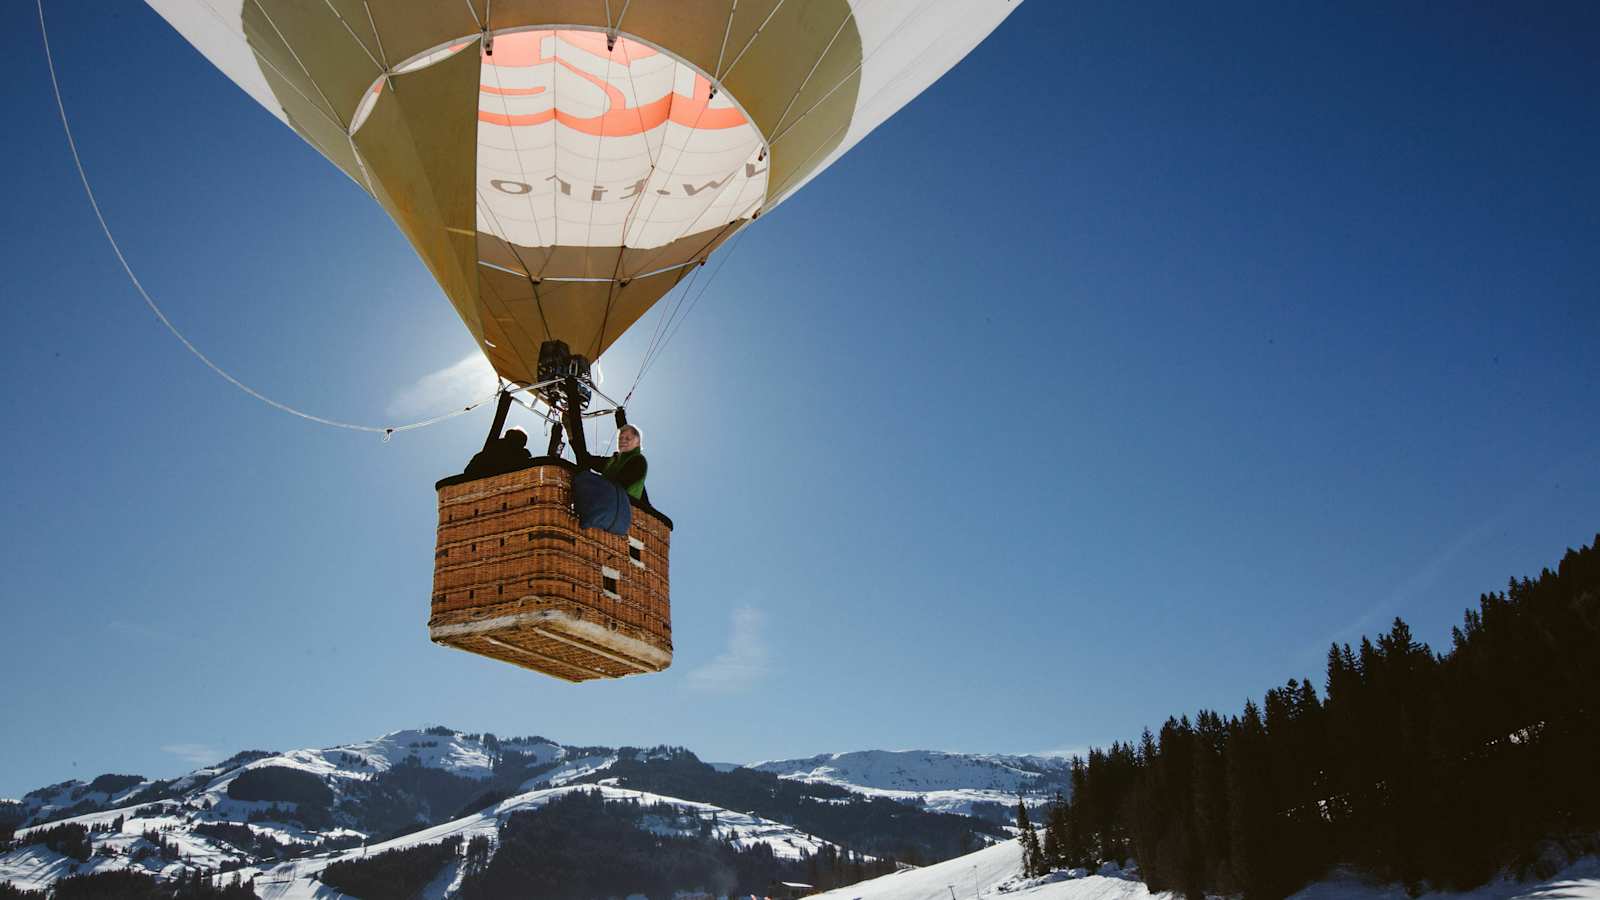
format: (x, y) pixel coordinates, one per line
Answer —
(627, 440)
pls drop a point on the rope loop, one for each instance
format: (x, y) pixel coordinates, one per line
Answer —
(388, 431)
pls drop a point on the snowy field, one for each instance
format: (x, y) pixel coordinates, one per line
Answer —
(991, 873)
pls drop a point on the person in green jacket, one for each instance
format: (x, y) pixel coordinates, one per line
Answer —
(627, 467)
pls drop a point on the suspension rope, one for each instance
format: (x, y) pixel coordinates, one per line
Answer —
(724, 73)
(588, 231)
(627, 220)
(61, 107)
(700, 256)
(684, 316)
(814, 66)
(668, 335)
(888, 39)
(672, 316)
(666, 315)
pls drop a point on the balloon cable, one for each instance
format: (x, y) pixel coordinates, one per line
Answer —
(672, 327)
(386, 430)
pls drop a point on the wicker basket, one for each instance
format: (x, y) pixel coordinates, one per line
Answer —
(517, 580)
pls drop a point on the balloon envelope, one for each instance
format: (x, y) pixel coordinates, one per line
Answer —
(561, 165)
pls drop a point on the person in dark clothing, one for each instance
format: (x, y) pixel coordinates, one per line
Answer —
(507, 453)
(627, 467)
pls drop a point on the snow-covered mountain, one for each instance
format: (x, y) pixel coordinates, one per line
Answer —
(464, 756)
(283, 817)
(260, 804)
(960, 783)
(296, 879)
(36, 867)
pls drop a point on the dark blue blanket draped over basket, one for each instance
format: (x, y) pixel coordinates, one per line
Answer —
(601, 504)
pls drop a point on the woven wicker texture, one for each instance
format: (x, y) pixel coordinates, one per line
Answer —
(517, 580)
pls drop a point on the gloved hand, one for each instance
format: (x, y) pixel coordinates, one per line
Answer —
(621, 415)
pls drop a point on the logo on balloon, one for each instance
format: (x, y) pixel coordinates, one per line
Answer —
(581, 143)
(599, 191)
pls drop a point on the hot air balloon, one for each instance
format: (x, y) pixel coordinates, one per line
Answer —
(559, 166)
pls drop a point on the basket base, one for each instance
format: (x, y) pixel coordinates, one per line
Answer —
(548, 639)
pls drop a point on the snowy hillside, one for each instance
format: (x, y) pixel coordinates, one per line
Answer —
(37, 867)
(298, 878)
(974, 875)
(960, 783)
(258, 804)
(69, 798)
(992, 873)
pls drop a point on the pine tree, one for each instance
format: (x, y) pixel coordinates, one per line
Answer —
(1032, 855)
(1055, 835)
(1075, 848)
(1250, 806)
(1211, 800)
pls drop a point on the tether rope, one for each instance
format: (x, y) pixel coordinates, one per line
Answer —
(386, 430)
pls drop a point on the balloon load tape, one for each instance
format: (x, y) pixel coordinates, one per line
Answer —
(557, 363)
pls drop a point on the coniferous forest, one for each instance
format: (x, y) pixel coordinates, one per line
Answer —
(1436, 770)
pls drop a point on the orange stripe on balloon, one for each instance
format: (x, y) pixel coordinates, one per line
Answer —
(594, 43)
(696, 111)
(511, 92)
(526, 48)
(628, 122)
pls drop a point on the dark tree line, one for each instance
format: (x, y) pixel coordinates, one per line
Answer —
(131, 884)
(1421, 767)
(259, 845)
(12, 814)
(67, 839)
(394, 873)
(156, 844)
(280, 783)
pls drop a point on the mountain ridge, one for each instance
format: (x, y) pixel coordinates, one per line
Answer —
(979, 784)
(270, 813)
(75, 797)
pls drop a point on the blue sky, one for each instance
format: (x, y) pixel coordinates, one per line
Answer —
(1149, 351)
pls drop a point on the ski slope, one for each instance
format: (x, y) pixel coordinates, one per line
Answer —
(992, 873)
